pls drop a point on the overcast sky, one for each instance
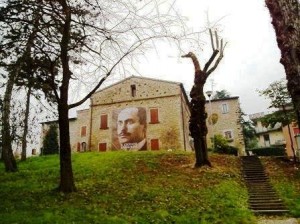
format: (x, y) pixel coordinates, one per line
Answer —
(251, 58)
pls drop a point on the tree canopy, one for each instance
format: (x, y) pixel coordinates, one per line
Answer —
(222, 94)
(280, 100)
(50, 142)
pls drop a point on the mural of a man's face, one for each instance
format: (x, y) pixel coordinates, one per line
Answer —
(129, 128)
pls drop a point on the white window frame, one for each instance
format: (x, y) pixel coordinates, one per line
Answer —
(231, 133)
(225, 108)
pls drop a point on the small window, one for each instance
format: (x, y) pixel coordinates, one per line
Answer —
(103, 121)
(154, 144)
(133, 90)
(154, 116)
(102, 147)
(225, 109)
(228, 134)
(83, 131)
(266, 137)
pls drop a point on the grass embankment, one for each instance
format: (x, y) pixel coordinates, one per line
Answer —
(120, 187)
(285, 177)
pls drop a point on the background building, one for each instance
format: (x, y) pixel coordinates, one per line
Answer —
(287, 136)
(166, 109)
(167, 114)
(224, 118)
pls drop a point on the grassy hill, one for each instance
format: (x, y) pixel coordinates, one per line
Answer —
(124, 187)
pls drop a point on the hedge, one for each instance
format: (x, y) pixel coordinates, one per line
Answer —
(267, 151)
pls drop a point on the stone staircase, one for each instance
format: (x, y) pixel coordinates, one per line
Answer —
(262, 197)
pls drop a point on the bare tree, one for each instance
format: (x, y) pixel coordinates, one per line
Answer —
(197, 123)
(99, 35)
(286, 21)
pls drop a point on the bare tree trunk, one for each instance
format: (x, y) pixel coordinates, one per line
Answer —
(197, 123)
(66, 173)
(7, 152)
(286, 21)
(25, 131)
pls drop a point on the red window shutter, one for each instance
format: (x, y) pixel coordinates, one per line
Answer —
(78, 146)
(102, 147)
(154, 144)
(296, 131)
(103, 121)
(153, 115)
(83, 131)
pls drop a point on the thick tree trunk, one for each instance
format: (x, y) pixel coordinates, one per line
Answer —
(197, 125)
(67, 184)
(66, 173)
(286, 21)
(7, 152)
(25, 131)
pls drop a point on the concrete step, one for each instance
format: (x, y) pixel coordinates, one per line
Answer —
(263, 200)
(266, 207)
(262, 197)
(270, 211)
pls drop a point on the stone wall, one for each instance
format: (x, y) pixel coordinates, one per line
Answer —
(227, 121)
(167, 97)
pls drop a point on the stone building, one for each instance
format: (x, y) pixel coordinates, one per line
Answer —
(287, 136)
(166, 116)
(267, 136)
(166, 113)
(224, 116)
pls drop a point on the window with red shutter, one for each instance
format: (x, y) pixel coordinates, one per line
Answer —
(296, 131)
(154, 116)
(103, 121)
(154, 144)
(102, 147)
(83, 131)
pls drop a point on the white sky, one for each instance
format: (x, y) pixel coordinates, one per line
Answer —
(251, 59)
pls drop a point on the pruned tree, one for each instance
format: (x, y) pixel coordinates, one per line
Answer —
(197, 123)
(286, 21)
(99, 36)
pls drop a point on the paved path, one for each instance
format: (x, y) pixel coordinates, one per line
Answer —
(278, 221)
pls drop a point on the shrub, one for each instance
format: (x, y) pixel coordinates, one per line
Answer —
(221, 146)
(267, 151)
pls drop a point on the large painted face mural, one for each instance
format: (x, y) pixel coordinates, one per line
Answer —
(129, 131)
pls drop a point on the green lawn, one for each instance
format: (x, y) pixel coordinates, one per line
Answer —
(124, 187)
